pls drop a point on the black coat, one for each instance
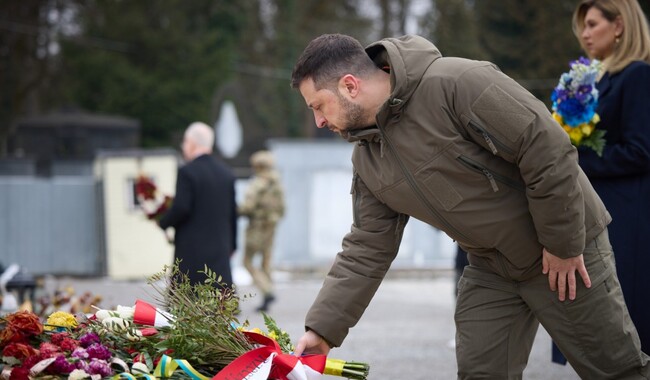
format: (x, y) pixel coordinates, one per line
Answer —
(621, 178)
(204, 216)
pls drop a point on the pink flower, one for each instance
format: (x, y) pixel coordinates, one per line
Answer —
(49, 350)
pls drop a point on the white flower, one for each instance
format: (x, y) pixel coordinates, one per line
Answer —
(103, 314)
(78, 374)
(139, 368)
(125, 312)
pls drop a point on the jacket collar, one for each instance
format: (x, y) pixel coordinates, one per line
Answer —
(369, 134)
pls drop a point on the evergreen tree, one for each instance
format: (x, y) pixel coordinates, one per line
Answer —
(530, 41)
(174, 53)
(451, 25)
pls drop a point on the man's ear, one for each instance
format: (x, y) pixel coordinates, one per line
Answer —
(349, 84)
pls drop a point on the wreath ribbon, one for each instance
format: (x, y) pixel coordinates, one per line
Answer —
(268, 361)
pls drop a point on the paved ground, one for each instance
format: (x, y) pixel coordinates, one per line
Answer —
(406, 333)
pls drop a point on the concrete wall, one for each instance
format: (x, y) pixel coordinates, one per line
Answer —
(135, 246)
(47, 225)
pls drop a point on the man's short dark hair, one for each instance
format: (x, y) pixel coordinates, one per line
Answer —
(329, 57)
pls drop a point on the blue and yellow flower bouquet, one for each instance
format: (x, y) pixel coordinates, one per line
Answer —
(574, 104)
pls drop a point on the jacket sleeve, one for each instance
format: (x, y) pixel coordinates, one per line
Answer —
(233, 218)
(631, 154)
(368, 251)
(182, 203)
(504, 118)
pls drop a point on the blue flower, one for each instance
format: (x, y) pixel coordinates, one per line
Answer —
(573, 112)
(575, 97)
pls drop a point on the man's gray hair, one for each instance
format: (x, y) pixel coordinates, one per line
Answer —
(201, 134)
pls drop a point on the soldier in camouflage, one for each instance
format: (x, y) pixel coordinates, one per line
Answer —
(263, 206)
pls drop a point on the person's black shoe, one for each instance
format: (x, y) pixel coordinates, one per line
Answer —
(268, 298)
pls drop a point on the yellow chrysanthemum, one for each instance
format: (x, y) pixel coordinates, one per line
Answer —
(576, 135)
(586, 129)
(595, 119)
(558, 118)
(273, 335)
(60, 319)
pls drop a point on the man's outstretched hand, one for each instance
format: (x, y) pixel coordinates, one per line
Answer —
(562, 273)
(311, 343)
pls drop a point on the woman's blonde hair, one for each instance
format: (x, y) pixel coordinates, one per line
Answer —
(634, 42)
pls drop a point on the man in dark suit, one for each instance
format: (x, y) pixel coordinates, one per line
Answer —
(204, 212)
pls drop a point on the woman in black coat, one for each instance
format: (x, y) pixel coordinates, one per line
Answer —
(204, 212)
(616, 32)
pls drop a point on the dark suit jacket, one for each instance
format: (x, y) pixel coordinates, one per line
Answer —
(621, 178)
(204, 215)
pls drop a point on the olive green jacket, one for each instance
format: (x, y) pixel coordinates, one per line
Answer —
(464, 148)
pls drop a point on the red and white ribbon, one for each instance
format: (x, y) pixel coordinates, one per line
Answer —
(147, 314)
(269, 362)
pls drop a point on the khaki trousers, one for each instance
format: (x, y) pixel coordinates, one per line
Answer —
(497, 319)
(259, 241)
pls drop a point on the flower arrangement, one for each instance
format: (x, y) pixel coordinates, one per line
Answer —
(30, 351)
(151, 202)
(574, 104)
(200, 330)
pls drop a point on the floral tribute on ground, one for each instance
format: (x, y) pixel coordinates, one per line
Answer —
(197, 337)
(574, 104)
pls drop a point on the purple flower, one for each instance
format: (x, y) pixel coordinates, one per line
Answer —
(61, 365)
(559, 94)
(89, 339)
(80, 353)
(584, 93)
(581, 60)
(83, 365)
(99, 367)
(97, 351)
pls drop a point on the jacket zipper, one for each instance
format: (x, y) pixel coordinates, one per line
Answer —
(491, 176)
(416, 189)
(492, 142)
(356, 199)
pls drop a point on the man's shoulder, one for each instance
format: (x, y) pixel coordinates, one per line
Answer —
(455, 67)
(207, 161)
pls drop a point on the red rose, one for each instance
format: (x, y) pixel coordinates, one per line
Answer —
(57, 338)
(9, 335)
(31, 361)
(69, 344)
(24, 321)
(19, 373)
(19, 351)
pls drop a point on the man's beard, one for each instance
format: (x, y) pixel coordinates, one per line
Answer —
(353, 114)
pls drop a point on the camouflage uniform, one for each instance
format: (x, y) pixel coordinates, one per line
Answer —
(264, 207)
